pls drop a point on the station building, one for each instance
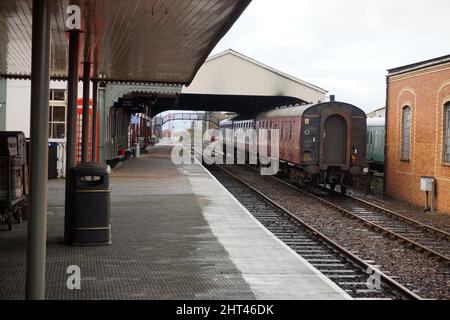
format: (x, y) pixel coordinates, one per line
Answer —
(418, 131)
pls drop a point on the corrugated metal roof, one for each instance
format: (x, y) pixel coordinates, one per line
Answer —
(132, 40)
(299, 110)
(295, 111)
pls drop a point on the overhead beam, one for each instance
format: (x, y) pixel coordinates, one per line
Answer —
(40, 89)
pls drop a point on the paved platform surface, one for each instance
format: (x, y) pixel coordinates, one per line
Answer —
(177, 234)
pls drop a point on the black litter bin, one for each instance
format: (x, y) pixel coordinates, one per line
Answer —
(52, 160)
(90, 205)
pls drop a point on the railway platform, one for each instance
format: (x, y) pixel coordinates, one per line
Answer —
(177, 234)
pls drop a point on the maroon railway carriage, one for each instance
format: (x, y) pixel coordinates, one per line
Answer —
(325, 142)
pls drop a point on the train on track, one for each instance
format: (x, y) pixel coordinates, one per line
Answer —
(376, 133)
(320, 144)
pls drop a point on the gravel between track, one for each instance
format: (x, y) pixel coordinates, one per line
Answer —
(420, 273)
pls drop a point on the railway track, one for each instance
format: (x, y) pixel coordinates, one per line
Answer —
(349, 272)
(423, 238)
(427, 239)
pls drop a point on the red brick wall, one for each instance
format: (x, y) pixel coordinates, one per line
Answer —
(425, 91)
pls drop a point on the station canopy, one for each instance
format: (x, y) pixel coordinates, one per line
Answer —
(163, 41)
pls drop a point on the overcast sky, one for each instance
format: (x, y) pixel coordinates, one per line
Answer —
(343, 46)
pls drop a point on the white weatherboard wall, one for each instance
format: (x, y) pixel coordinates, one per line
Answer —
(2, 104)
(235, 74)
(18, 99)
(18, 103)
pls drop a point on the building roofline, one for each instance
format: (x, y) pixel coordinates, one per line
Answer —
(264, 66)
(419, 65)
(379, 109)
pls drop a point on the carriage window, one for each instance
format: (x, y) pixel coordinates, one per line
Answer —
(447, 132)
(406, 133)
(290, 131)
(290, 134)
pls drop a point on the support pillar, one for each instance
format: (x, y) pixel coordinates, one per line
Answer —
(40, 89)
(102, 124)
(86, 96)
(94, 150)
(72, 105)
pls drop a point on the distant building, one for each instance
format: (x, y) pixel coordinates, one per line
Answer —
(379, 113)
(232, 73)
(418, 130)
(15, 109)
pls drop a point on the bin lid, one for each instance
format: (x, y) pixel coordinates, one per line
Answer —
(92, 168)
(12, 134)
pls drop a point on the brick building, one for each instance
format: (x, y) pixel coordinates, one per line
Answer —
(418, 130)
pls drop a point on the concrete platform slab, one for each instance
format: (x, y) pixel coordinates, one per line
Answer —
(272, 269)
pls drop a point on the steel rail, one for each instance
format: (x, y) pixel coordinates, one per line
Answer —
(401, 290)
(401, 217)
(375, 226)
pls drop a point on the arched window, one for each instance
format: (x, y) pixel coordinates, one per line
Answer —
(447, 132)
(406, 133)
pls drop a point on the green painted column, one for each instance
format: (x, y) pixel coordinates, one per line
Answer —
(40, 90)
(3, 83)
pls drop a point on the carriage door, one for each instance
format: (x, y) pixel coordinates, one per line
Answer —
(335, 141)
